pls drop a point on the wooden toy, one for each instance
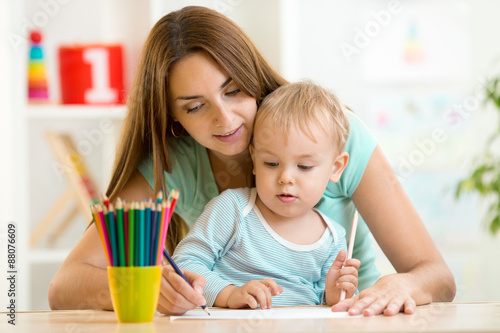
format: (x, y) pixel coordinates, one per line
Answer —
(37, 78)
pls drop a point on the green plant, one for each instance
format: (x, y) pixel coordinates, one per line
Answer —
(485, 178)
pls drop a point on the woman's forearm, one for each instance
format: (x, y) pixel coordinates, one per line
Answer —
(431, 282)
(80, 286)
(423, 275)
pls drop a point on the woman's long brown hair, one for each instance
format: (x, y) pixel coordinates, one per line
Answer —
(146, 129)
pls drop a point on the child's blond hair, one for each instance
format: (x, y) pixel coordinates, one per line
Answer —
(304, 104)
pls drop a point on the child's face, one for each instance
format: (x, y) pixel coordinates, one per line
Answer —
(293, 171)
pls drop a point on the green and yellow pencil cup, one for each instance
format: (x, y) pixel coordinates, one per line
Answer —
(134, 292)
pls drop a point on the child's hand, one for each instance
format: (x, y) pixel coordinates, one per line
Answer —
(339, 278)
(253, 293)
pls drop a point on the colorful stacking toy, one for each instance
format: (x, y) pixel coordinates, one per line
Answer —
(37, 78)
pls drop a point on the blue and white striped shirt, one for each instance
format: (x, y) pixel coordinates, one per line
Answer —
(231, 243)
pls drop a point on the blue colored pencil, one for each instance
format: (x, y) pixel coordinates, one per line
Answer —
(151, 234)
(157, 234)
(131, 235)
(142, 236)
(113, 236)
(147, 233)
(121, 232)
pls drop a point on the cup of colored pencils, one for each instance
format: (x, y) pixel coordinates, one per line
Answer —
(133, 235)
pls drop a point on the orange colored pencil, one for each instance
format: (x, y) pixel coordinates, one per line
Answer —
(101, 226)
(99, 229)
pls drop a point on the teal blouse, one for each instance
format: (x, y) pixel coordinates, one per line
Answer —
(192, 174)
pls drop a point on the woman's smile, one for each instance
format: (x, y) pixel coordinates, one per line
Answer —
(230, 136)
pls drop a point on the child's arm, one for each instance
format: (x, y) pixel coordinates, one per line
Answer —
(341, 278)
(214, 232)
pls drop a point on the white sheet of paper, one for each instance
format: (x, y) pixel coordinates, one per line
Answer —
(273, 313)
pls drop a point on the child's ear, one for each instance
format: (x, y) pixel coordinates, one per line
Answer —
(339, 166)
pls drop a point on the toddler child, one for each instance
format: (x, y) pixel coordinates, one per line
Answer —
(269, 245)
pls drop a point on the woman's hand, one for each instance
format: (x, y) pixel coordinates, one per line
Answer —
(253, 293)
(176, 295)
(390, 295)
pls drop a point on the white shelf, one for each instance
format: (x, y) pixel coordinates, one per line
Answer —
(48, 256)
(57, 111)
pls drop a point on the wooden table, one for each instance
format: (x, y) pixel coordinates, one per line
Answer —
(436, 317)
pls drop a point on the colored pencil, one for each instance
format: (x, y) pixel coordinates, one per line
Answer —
(151, 232)
(175, 197)
(156, 228)
(143, 212)
(126, 231)
(159, 197)
(112, 230)
(121, 232)
(164, 213)
(131, 235)
(173, 201)
(150, 213)
(98, 224)
(105, 233)
(105, 200)
(351, 245)
(157, 239)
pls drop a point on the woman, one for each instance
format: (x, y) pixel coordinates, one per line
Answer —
(190, 113)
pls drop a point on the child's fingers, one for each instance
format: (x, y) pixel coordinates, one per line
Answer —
(349, 283)
(352, 263)
(271, 284)
(250, 301)
(349, 271)
(339, 260)
(348, 278)
(259, 298)
(262, 294)
(348, 287)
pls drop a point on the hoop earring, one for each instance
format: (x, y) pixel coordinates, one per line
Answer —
(173, 132)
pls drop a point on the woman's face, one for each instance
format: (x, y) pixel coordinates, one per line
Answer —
(210, 106)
